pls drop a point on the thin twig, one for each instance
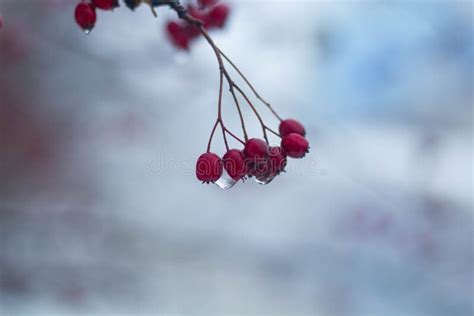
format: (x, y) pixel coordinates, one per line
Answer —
(212, 135)
(236, 101)
(175, 5)
(250, 85)
(234, 136)
(264, 127)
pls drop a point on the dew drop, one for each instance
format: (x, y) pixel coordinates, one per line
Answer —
(266, 179)
(87, 31)
(225, 182)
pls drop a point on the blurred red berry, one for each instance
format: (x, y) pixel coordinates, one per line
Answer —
(291, 126)
(178, 34)
(209, 167)
(207, 3)
(105, 4)
(85, 15)
(217, 17)
(191, 30)
(295, 145)
(234, 164)
(195, 12)
(277, 160)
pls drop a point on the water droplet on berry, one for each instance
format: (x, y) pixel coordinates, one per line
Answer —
(225, 182)
(87, 31)
(266, 179)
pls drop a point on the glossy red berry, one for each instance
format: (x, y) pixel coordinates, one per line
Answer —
(209, 167)
(234, 164)
(217, 17)
(291, 126)
(178, 35)
(207, 3)
(256, 156)
(85, 16)
(277, 160)
(256, 149)
(105, 4)
(295, 145)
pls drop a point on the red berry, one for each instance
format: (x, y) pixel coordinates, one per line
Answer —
(291, 126)
(207, 3)
(85, 15)
(105, 4)
(295, 145)
(192, 31)
(256, 156)
(178, 35)
(217, 16)
(256, 149)
(209, 167)
(234, 164)
(277, 160)
(195, 12)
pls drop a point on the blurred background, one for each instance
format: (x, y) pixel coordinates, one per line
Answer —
(100, 210)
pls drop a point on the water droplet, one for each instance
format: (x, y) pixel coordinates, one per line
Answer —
(265, 179)
(87, 31)
(225, 182)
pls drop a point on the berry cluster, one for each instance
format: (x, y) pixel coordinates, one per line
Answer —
(212, 14)
(257, 159)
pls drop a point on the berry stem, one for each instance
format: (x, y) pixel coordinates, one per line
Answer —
(236, 138)
(264, 127)
(272, 131)
(212, 135)
(250, 85)
(221, 81)
(150, 3)
(222, 72)
(182, 14)
(198, 24)
(236, 101)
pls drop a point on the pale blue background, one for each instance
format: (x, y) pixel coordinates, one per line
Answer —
(377, 220)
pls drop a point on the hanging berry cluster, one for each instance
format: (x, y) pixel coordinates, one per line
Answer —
(256, 158)
(211, 12)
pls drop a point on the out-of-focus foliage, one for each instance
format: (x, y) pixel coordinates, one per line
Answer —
(100, 209)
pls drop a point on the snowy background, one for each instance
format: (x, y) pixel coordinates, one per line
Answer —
(100, 210)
